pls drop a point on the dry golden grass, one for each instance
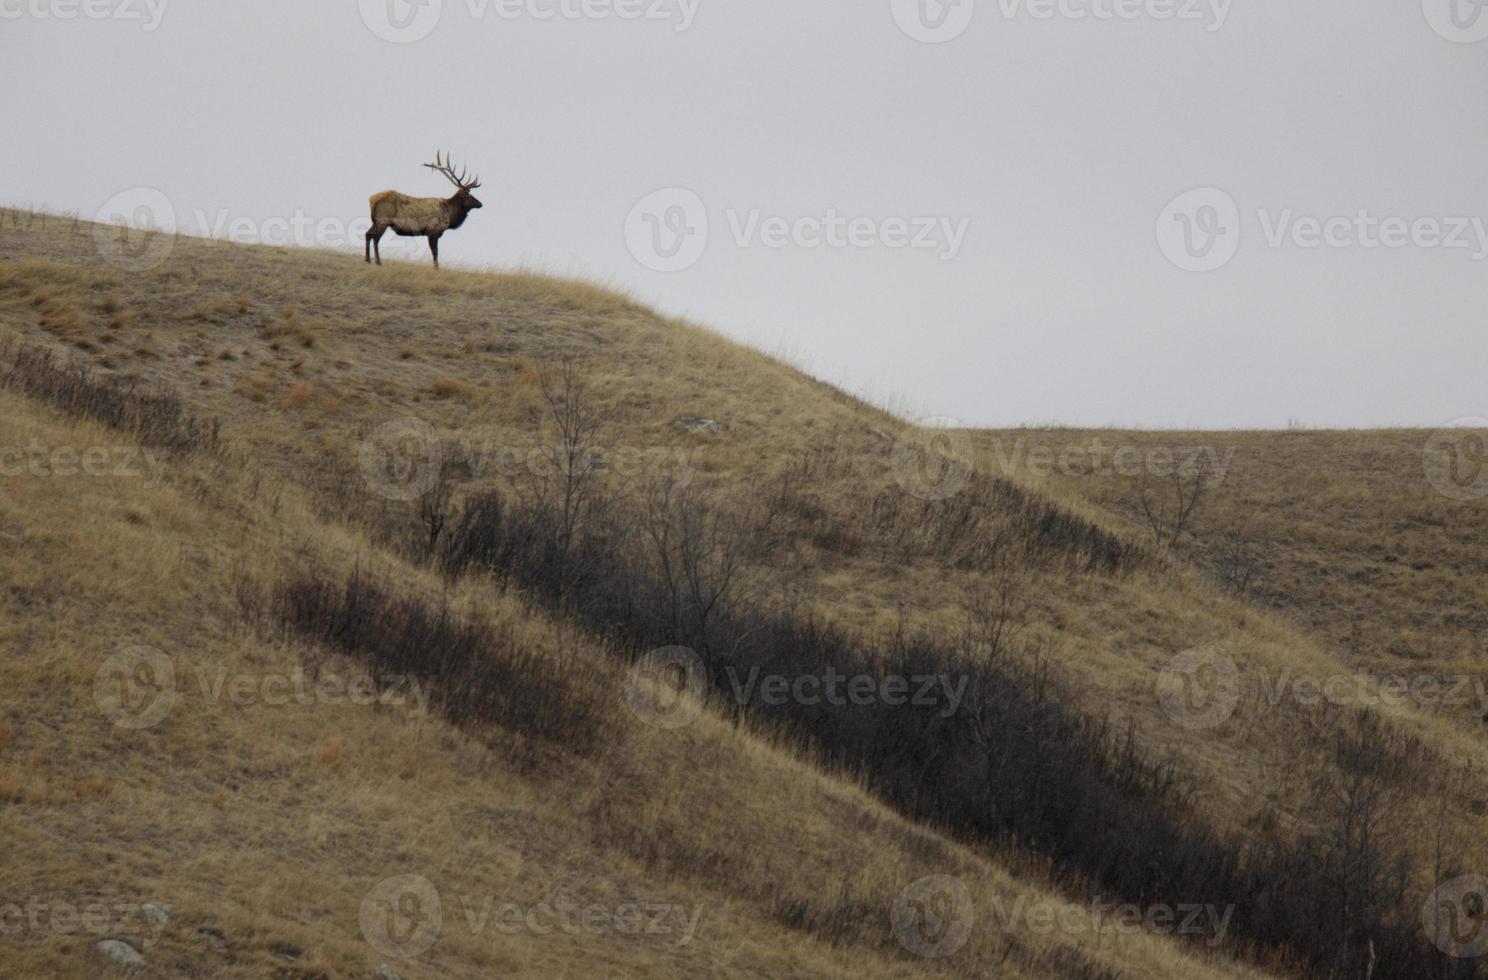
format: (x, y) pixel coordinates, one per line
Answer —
(271, 822)
(297, 811)
(446, 388)
(1352, 545)
(297, 395)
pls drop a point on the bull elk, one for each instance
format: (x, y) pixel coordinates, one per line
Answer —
(426, 216)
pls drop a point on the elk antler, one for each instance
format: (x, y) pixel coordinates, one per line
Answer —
(442, 165)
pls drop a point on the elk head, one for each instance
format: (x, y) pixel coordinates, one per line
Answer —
(463, 183)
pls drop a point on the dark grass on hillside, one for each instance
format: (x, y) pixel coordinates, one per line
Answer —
(154, 416)
(480, 673)
(832, 499)
(1017, 761)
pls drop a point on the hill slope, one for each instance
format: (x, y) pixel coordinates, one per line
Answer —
(797, 848)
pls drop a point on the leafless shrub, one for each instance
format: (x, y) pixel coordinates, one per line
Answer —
(156, 417)
(1363, 805)
(434, 511)
(1168, 506)
(696, 555)
(1238, 561)
(567, 489)
(996, 611)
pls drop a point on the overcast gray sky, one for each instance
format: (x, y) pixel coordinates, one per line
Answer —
(1196, 213)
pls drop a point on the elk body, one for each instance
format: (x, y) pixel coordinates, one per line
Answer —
(429, 217)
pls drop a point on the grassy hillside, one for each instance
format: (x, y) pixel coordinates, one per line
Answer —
(1343, 534)
(354, 472)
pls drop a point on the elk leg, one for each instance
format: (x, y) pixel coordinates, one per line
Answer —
(434, 247)
(374, 242)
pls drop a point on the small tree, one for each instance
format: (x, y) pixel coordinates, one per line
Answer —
(566, 490)
(434, 511)
(699, 554)
(996, 610)
(1169, 506)
(1363, 803)
(1238, 561)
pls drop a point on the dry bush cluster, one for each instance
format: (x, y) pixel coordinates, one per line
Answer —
(480, 673)
(993, 521)
(1021, 762)
(832, 500)
(1018, 763)
(156, 417)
